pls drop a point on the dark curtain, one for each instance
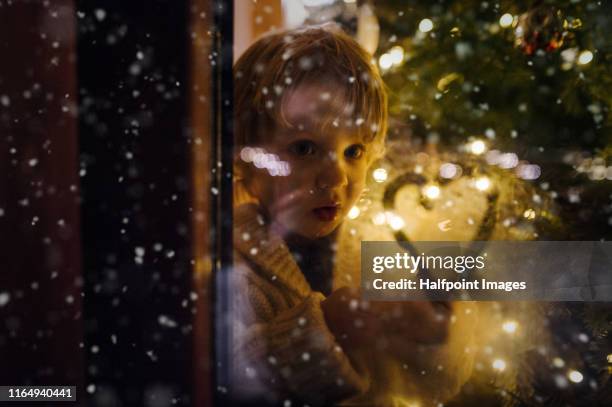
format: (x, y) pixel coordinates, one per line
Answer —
(40, 249)
(96, 189)
(135, 161)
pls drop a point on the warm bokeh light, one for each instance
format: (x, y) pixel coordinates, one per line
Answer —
(379, 175)
(585, 57)
(558, 362)
(528, 171)
(379, 219)
(385, 61)
(395, 221)
(353, 213)
(448, 170)
(506, 20)
(477, 147)
(431, 191)
(499, 365)
(426, 25)
(397, 55)
(510, 326)
(575, 376)
(529, 214)
(482, 183)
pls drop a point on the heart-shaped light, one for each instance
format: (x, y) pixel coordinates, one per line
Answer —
(406, 183)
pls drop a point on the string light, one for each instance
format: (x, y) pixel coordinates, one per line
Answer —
(529, 214)
(528, 171)
(397, 55)
(394, 221)
(426, 25)
(482, 183)
(448, 170)
(585, 57)
(353, 213)
(379, 219)
(506, 20)
(394, 57)
(432, 191)
(385, 61)
(499, 365)
(502, 160)
(575, 376)
(379, 175)
(510, 326)
(477, 147)
(569, 55)
(261, 159)
(558, 362)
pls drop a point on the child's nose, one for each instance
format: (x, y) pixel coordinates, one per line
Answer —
(332, 174)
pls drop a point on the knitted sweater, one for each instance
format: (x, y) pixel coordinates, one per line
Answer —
(283, 349)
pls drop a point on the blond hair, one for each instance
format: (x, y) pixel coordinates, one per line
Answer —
(278, 63)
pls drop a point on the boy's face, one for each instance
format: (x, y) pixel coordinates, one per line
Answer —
(327, 169)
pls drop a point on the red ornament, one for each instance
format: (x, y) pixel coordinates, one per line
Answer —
(540, 28)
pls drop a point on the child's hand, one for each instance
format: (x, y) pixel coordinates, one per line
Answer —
(360, 322)
(424, 322)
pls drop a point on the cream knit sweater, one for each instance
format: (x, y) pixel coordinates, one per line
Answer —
(283, 349)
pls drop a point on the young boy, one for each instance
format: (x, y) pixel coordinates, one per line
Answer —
(311, 116)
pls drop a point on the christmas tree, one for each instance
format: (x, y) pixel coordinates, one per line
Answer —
(512, 100)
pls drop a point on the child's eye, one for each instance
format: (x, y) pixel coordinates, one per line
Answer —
(303, 148)
(354, 152)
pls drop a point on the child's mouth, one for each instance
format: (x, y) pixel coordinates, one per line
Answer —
(326, 213)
